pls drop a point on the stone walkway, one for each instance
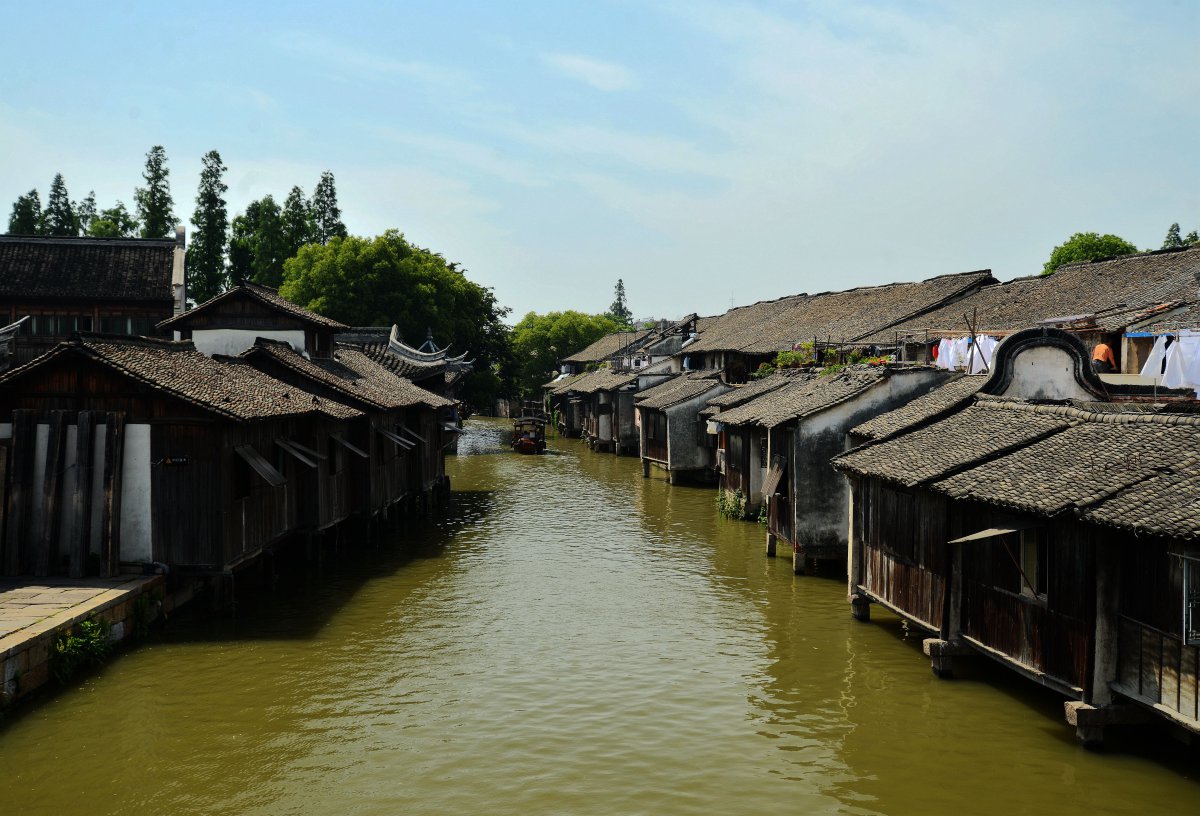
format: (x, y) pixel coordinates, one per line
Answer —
(41, 603)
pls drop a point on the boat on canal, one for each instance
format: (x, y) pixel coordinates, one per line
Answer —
(529, 430)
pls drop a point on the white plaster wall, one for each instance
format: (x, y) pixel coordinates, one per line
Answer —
(604, 431)
(235, 341)
(1045, 372)
(136, 524)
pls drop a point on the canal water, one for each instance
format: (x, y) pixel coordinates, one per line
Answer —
(569, 638)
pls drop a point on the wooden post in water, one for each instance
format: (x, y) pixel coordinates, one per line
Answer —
(110, 527)
(47, 552)
(82, 500)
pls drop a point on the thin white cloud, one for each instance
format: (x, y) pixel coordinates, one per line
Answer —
(603, 76)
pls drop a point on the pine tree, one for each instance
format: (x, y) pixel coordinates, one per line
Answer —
(326, 216)
(1193, 237)
(206, 275)
(59, 218)
(26, 218)
(1173, 241)
(298, 227)
(85, 212)
(619, 310)
(154, 202)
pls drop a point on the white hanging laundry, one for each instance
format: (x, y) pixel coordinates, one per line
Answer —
(1183, 365)
(943, 355)
(981, 359)
(1158, 356)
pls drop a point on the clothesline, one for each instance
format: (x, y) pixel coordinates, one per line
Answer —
(960, 352)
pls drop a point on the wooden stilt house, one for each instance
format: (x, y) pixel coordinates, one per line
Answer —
(125, 450)
(1018, 528)
(672, 435)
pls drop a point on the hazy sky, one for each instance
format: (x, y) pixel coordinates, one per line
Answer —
(707, 153)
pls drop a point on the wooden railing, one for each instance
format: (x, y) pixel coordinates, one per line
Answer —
(1155, 667)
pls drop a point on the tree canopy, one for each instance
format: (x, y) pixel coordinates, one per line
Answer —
(386, 281)
(1087, 246)
(540, 342)
(26, 217)
(59, 217)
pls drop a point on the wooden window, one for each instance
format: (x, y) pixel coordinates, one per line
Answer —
(1034, 566)
(763, 460)
(1191, 601)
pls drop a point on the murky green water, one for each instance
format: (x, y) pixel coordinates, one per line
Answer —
(571, 639)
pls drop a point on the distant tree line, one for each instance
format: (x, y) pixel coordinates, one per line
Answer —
(1091, 246)
(220, 253)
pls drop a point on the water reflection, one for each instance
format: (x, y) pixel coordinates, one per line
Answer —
(568, 638)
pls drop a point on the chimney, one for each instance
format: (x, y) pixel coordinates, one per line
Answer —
(178, 272)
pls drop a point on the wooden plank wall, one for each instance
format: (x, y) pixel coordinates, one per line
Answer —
(57, 501)
(1157, 667)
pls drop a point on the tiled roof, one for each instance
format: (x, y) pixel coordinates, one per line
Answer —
(604, 379)
(770, 326)
(742, 394)
(1076, 467)
(1181, 316)
(1122, 466)
(608, 345)
(341, 378)
(231, 388)
(263, 294)
(557, 386)
(379, 380)
(975, 434)
(1119, 288)
(941, 400)
(86, 268)
(678, 389)
(802, 396)
(406, 367)
(1165, 504)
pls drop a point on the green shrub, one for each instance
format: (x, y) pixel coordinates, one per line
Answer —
(85, 646)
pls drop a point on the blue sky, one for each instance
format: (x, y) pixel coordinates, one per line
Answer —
(707, 153)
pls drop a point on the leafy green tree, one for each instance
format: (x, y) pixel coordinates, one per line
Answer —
(58, 218)
(1192, 237)
(26, 217)
(619, 310)
(326, 216)
(540, 342)
(115, 222)
(386, 280)
(206, 273)
(257, 247)
(1173, 239)
(1087, 246)
(154, 203)
(298, 226)
(85, 212)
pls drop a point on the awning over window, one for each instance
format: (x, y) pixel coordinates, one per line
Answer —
(774, 474)
(452, 428)
(414, 437)
(306, 450)
(340, 438)
(260, 465)
(993, 532)
(399, 440)
(295, 452)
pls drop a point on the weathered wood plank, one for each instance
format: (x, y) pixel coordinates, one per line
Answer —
(24, 447)
(47, 552)
(1189, 674)
(81, 501)
(110, 528)
(1169, 682)
(1151, 665)
(1129, 650)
